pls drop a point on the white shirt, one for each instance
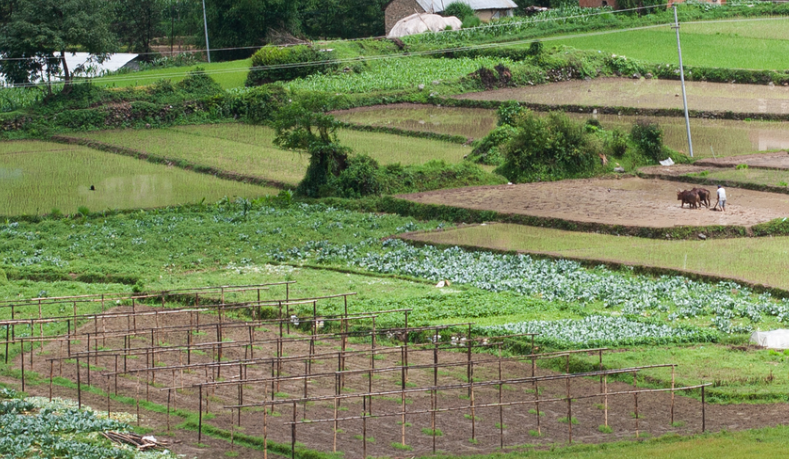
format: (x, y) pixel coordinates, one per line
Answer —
(721, 194)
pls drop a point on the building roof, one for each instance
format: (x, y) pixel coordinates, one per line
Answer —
(438, 6)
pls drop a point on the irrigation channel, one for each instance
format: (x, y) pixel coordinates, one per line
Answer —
(290, 374)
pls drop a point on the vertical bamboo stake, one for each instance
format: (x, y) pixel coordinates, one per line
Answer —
(402, 394)
(364, 427)
(471, 400)
(336, 394)
(200, 415)
(293, 434)
(635, 398)
(703, 412)
(672, 396)
(265, 427)
(569, 406)
(169, 395)
(501, 407)
(435, 394)
(605, 402)
(51, 376)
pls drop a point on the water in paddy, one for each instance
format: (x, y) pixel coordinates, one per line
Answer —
(466, 122)
(36, 177)
(710, 137)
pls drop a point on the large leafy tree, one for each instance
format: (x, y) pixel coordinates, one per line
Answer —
(37, 34)
(138, 22)
(343, 18)
(241, 23)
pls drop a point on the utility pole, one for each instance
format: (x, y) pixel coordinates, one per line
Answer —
(682, 78)
(208, 48)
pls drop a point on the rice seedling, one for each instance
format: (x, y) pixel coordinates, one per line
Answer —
(39, 176)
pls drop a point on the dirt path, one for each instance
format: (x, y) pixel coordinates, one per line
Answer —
(627, 201)
(621, 92)
(455, 426)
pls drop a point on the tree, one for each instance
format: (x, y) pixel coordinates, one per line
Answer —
(301, 126)
(343, 18)
(39, 33)
(242, 23)
(138, 22)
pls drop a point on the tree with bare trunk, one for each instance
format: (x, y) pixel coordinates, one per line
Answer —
(37, 34)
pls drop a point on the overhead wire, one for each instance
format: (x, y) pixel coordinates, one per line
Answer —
(490, 45)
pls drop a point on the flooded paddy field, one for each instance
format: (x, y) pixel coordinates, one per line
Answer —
(628, 201)
(711, 137)
(648, 94)
(36, 177)
(466, 122)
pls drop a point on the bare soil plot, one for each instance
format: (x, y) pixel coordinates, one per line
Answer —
(655, 94)
(627, 201)
(382, 431)
(779, 160)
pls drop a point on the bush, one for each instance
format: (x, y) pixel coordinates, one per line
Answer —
(470, 22)
(273, 56)
(487, 150)
(198, 82)
(549, 149)
(508, 112)
(359, 179)
(458, 9)
(327, 160)
(648, 138)
(616, 144)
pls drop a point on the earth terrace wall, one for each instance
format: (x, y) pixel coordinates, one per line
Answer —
(610, 264)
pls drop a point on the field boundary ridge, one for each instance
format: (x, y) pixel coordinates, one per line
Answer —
(186, 165)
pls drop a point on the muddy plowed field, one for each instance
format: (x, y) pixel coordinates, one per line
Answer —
(625, 201)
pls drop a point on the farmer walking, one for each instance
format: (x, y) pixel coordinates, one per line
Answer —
(721, 198)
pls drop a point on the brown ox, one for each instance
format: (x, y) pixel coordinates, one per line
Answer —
(704, 196)
(689, 197)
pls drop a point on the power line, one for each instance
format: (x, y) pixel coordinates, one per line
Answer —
(492, 45)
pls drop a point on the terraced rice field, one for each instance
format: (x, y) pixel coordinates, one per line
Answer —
(711, 137)
(36, 177)
(654, 94)
(248, 150)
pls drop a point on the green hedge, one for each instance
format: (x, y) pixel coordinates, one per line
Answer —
(273, 63)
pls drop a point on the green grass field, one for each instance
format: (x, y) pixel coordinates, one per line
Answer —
(249, 150)
(763, 443)
(230, 74)
(746, 44)
(757, 260)
(39, 176)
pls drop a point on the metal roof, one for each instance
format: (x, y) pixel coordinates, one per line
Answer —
(438, 6)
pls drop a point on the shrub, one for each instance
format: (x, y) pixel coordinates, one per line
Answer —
(470, 22)
(508, 112)
(360, 178)
(458, 9)
(487, 150)
(648, 137)
(548, 149)
(326, 160)
(198, 82)
(276, 56)
(616, 144)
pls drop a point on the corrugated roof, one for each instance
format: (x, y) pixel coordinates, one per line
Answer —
(438, 6)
